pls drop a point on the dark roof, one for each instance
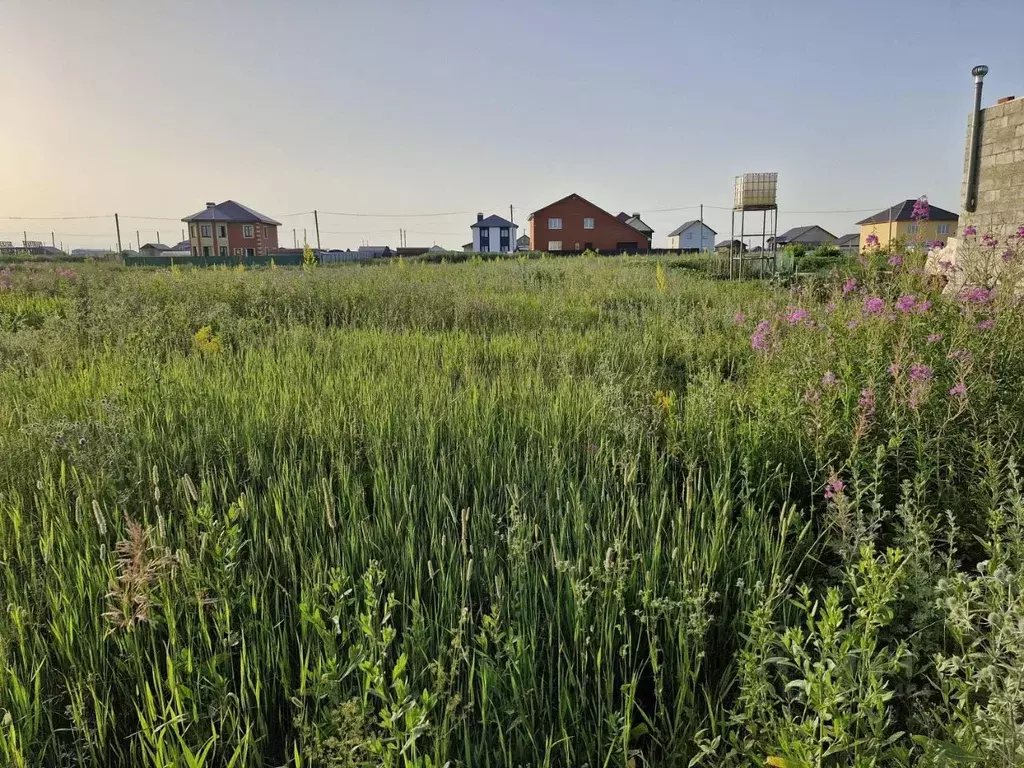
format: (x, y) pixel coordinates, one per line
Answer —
(182, 246)
(725, 243)
(493, 221)
(155, 247)
(796, 232)
(848, 240)
(569, 197)
(904, 212)
(623, 217)
(685, 226)
(643, 227)
(229, 210)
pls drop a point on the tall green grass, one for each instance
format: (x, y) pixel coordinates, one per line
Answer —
(502, 514)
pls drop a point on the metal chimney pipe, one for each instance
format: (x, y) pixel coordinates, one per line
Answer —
(971, 204)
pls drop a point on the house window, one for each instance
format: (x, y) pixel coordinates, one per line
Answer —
(588, 223)
(238, 251)
(224, 251)
(943, 229)
(689, 236)
(250, 252)
(264, 232)
(554, 245)
(503, 239)
(206, 251)
(247, 230)
(554, 224)
(205, 230)
(195, 231)
(195, 251)
(222, 231)
(915, 228)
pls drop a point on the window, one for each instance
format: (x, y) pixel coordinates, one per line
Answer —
(224, 251)
(247, 230)
(222, 231)
(689, 236)
(238, 251)
(204, 230)
(554, 224)
(554, 245)
(943, 229)
(915, 228)
(503, 239)
(195, 251)
(587, 224)
(250, 252)
(195, 231)
(264, 232)
(206, 251)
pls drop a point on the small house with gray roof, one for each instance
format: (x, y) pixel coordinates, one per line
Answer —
(810, 237)
(493, 234)
(692, 236)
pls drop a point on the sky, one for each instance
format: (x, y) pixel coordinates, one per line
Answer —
(150, 108)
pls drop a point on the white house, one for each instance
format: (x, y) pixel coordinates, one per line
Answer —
(692, 236)
(493, 234)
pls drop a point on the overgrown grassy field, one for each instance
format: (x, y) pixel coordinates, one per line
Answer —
(553, 512)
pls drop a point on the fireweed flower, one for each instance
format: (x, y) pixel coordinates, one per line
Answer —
(970, 230)
(920, 372)
(874, 305)
(739, 319)
(829, 379)
(959, 390)
(988, 241)
(834, 487)
(795, 316)
(960, 355)
(830, 308)
(976, 295)
(1020, 232)
(894, 370)
(872, 239)
(934, 338)
(921, 209)
(759, 339)
(866, 402)
(895, 261)
(1007, 256)
(849, 286)
(906, 303)
(851, 323)
(984, 325)
(923, 307)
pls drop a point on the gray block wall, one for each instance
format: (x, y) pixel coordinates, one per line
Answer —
(1000, 173)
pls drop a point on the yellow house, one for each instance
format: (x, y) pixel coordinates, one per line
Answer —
(898, 223)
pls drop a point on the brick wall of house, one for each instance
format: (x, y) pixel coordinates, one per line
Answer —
(238, 242)
(608, 234)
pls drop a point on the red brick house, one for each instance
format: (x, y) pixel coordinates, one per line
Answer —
(231, 230)
(573, 224)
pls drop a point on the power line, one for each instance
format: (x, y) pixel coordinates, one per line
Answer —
(55, 218)
(397, 215)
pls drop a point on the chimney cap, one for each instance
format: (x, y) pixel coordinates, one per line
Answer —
(980, 71)
(211, 205)
(479, 217)
(636, 215)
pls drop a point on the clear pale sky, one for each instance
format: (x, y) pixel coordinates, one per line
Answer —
(151, 108)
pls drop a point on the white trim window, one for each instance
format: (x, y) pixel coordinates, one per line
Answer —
(554, 246)
(222, 231)
(205, 230)
(943, 229)
(554, 223)
(588, 223)
(247, 230)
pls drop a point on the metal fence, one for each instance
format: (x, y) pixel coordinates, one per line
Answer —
(281, 260)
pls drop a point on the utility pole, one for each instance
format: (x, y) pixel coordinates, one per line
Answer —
(138, 241)
(183, 235)
(305, 239)
(158, 237)
(118, 225)
(53, 242)
(295, 239)
(24, 238)
(702, 227)
(316, 221)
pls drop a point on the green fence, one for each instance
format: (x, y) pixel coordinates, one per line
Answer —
(281, 260)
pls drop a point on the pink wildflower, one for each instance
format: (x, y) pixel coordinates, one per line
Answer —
(796, 316)
(959, 390)
(866, 403)
(739, 319)
(1020, 232)
(872, 239)
(920, 372)
(759, 339)
(830, 308)
(834, 487)
(849, 286)
(984, 325)
(988, 241)
(894, 370)
(976, 295)
(923, 307)
(895, 261)
(934, 338)
(970, 230)
(851, 323)
(960, 355)
(874, 305)
(906, 303)
(829, 379)
(921, 209)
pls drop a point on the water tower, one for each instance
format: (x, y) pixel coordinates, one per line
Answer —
(754, 192)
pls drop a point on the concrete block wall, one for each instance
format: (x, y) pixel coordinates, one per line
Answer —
(1000, 172)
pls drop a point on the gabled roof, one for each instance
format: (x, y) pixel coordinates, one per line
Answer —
(182, 246)
(569, 197)
(229, 210)
(796, 232)
(155, 247)
(686, 225)
(847, 240)
(904, 211)
(637, 223)
(493, 221)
